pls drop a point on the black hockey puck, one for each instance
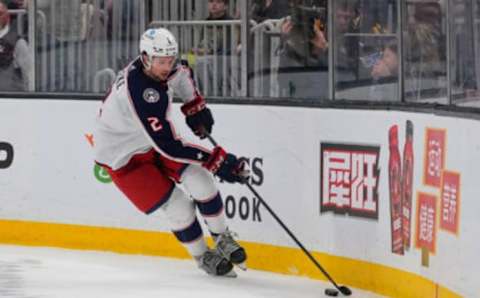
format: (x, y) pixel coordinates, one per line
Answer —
(331, 292)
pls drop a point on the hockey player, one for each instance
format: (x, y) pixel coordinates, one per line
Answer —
(135, 140)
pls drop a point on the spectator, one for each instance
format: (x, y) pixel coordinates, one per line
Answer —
(465, 72)
(269, 9)
(387, 65)
(20, 20)
(303, 56)
(378, 16)
(305, 50)
(217, 11)
(346, 47)
(75, 20)
(121, 14)
(15, 60)
(215, 43)
(69, 25)
(123, 24)
(16, 4)
(425, 57)
(385, 74)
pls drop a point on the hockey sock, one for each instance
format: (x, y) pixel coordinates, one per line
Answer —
(213, 212)
(192, 238)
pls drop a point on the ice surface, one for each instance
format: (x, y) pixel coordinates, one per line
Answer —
(34, 272)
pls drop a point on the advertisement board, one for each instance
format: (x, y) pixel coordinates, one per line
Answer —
(396, 189)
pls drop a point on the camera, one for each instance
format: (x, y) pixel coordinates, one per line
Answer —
(307, 14)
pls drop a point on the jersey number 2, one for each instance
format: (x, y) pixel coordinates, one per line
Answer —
(155, 123)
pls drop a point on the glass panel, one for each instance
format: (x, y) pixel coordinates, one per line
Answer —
(366, 56)
(212, 49)
(301, 52)
(465, 16)
(82, 44)
(16, 61)
(425, 67)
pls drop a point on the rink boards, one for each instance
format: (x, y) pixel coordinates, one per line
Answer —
(325, 172)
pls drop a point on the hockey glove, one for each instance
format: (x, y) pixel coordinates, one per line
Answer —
(227, 166)
(198, 117)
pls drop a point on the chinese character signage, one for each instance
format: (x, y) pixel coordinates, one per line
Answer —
(349, 179)
(450, 201)
(435, 141)
(426, 222)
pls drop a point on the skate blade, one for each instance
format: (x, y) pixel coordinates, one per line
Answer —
(230, 274)
(242, 266)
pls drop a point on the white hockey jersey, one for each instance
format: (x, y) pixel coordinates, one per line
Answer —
(135, 117)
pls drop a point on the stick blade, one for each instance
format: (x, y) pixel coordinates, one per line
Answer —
(345, 291)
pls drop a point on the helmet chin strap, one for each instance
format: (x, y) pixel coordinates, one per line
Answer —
(147, 66)
(147, 62)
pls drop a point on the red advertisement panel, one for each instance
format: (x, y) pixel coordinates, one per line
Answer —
(395, 186)
(435, 141)
(407, 184)
(426, 222)
(450, 201)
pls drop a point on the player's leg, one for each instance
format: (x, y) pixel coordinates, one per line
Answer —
(201, 186)
(152, 192)
(180, 212)
(142, 182)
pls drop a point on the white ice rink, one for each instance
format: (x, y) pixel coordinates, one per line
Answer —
(32, 272)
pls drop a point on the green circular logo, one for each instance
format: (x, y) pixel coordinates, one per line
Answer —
(101, 174)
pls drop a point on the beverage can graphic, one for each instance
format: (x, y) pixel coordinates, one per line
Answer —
(395, 186)
(407, 185)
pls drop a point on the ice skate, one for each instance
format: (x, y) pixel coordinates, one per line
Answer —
(214, 263)
(230, 249)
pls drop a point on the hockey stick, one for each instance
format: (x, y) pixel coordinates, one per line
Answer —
(343, 289)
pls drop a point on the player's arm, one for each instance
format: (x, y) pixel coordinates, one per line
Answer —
(222, 164)
(197, 115)
(161, 132)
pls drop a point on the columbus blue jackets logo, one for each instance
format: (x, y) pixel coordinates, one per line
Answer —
(150, 34)
(151, 95)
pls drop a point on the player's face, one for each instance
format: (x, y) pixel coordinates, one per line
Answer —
(161, 67)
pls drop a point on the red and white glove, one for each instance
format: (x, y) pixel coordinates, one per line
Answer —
(198, 116)
(227, 166)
